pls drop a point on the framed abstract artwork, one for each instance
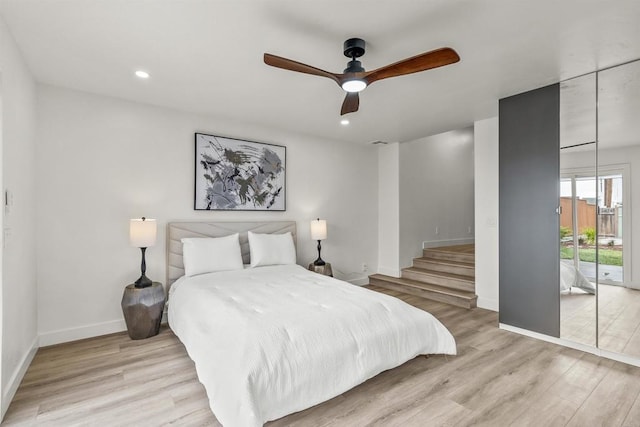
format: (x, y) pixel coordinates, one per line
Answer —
(234, 174)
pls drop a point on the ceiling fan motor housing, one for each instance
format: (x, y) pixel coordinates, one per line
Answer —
(354, 66)
(354, 48)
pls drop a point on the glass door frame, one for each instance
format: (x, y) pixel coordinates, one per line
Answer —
(604, 170)
(623, 169)
(575, 174)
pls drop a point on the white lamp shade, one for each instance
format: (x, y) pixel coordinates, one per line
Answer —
(318, 229)
(142, 232)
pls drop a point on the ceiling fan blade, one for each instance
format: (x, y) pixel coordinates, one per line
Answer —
(426, 61)
(350, 104)
(288, 64)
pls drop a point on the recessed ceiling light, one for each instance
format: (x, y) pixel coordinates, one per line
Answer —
(344, 122)
(142, 74)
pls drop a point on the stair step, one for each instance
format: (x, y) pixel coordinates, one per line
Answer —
(424, 290)
(439, 278)
(461, 268)
(461, 253)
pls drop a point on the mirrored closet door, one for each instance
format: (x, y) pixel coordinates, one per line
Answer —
(618, 187)
(599, 178)
(578, 202)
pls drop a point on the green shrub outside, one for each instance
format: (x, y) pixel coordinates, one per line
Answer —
(590, 235)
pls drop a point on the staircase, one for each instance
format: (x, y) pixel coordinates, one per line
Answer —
(445, 274)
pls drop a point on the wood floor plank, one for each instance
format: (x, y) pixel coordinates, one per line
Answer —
(633, 417)
(584, 376)
(510, 392)
(548, 411)
(497, 378)
(612, 399)
(432, 412)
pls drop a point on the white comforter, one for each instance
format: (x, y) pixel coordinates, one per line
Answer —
(271, 341)
(570, 277)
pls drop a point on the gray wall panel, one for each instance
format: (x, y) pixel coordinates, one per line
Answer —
(529, 126)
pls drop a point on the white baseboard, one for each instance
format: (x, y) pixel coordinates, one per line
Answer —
(82, 332)
(393, 272)
(448, 242)
(18, 375)
(488, 304)
(566, 343)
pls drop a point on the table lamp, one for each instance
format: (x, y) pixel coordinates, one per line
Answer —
(319, 232)
(142, 234)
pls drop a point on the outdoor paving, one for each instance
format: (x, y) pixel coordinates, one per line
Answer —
(611, 273)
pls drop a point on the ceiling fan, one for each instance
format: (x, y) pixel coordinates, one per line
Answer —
(355, 78)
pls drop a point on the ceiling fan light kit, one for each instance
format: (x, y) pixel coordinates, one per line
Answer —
(354, 85)
(355, 78)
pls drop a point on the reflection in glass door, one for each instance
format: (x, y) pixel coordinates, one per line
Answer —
(619, 145)
(582, 204)
(610, 241)
(578, 253)
(599, 114)
(578, 204)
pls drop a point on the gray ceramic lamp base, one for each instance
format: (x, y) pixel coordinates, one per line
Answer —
(142, 309)
(322, 269)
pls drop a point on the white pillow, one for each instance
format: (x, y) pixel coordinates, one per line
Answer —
(271, 249)
(206, 255)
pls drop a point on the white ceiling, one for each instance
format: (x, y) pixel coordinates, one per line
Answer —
(206, 56)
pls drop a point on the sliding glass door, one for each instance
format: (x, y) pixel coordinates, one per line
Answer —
(578, 204)
(589, 204)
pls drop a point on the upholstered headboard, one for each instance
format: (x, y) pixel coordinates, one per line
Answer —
(179, 230)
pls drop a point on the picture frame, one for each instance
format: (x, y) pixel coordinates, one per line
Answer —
(239, 175)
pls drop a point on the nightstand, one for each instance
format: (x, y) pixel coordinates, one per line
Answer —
(322, 269)
(142, 309)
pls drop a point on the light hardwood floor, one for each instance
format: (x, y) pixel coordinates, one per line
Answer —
(497, 379)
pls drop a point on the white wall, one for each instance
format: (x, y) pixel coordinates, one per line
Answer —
(389, 209)
(101, 161)
(436, 191)
(486, 212)
(19, 314)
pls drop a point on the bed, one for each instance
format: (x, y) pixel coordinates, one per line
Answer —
(272, 340)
